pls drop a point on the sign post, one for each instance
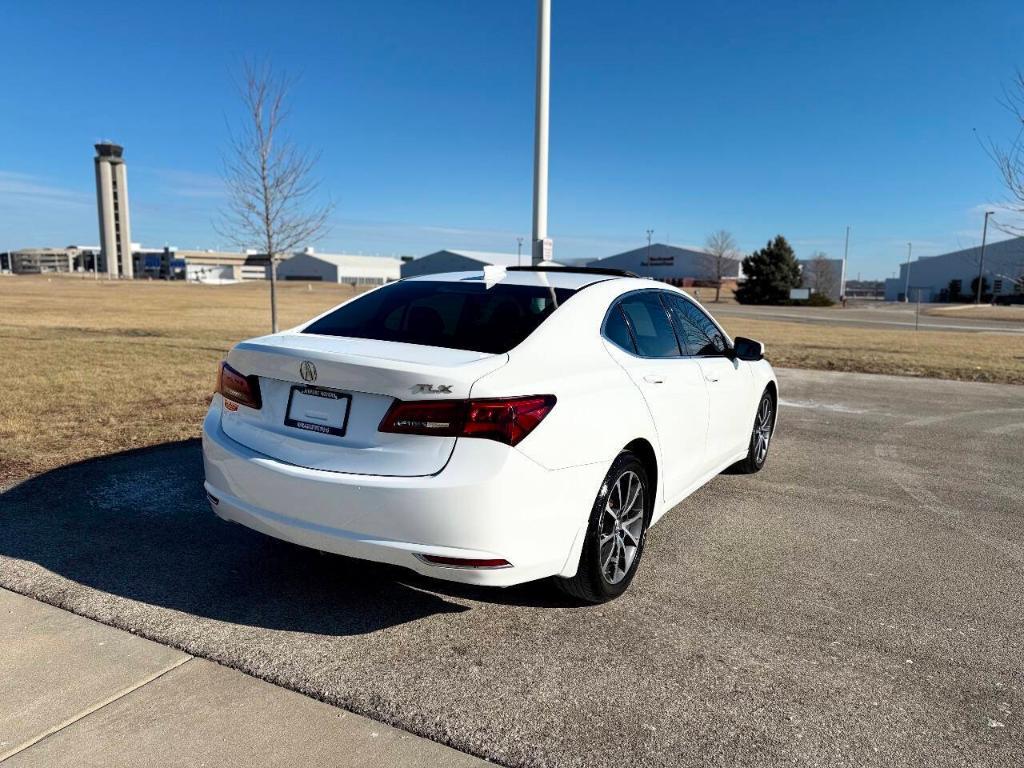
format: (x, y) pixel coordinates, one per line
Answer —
(799, 294)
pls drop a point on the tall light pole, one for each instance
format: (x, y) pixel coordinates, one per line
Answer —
(649, 233)
(981, 261)
(519, 251)
(906, 285)
(542, 246)
(842, 279)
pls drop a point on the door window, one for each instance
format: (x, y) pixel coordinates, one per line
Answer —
(696, 330)
(650, 325)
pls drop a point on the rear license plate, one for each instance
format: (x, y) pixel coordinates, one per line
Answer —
(318, 410)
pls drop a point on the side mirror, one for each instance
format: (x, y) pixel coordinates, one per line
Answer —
(748, 349)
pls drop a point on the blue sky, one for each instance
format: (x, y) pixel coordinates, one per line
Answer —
(760, 118)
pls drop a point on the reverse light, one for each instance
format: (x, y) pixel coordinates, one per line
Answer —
(506, 419)
(236, 388)
(464, 562)
(443, 418)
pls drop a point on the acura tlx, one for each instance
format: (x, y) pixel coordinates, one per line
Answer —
(489, 427)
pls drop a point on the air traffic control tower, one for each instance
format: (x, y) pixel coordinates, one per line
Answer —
(112, 205)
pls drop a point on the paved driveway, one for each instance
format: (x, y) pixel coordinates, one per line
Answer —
(857, 603)
(889, 316)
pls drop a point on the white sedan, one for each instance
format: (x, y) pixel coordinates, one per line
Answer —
(490, 428)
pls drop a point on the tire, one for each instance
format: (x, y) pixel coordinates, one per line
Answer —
(760, 437)
(600, 579)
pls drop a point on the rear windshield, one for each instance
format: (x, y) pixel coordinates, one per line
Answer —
(464, 315)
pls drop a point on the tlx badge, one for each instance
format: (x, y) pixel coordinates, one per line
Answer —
(433, 389)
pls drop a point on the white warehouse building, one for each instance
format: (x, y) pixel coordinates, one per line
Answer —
(311, 266)
(949, 276)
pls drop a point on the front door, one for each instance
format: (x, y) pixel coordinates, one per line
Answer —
(673, 387)
(730, 417)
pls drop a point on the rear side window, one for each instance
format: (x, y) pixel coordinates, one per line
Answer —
(616, 330)
(462, 315)
(651, 327)
(697, 331)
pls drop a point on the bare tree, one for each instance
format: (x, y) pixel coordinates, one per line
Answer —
(271, 187)
(722, 253)
(820, 275)
(1009, 158)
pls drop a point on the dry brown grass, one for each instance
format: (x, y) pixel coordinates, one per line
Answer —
(90, 367)
(1013, 313)
(93, 367)
(992, 357)
(706, 295)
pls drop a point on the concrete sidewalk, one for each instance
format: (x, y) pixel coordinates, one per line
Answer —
(74, 692)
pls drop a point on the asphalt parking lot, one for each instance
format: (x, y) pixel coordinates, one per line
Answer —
(857, 603)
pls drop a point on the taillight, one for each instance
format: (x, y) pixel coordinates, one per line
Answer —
(244, 390)
(507, 420)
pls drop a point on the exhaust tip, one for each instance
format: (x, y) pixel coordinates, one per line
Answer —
(464, 562)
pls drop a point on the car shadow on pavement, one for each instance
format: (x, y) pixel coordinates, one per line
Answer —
(137, 525)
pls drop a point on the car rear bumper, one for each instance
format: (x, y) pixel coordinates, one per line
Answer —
(489, 502)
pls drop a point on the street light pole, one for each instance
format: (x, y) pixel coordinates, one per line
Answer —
(906, 285)
(842, 279)
(649, 233)
(981, 261)
(542, 249)
(519, 251)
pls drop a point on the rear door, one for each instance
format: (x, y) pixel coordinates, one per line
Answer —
(672, 385)
(728, 380)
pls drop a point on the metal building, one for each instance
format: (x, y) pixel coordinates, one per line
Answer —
(949, 276)
(460, 261)
(670, 264)
(311, 266)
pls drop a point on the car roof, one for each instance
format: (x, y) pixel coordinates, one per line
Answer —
(550, 278)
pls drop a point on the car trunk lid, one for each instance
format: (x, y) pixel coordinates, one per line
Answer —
(324, 397)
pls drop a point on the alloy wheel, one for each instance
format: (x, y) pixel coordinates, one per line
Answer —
(621, 527)
(762, 430)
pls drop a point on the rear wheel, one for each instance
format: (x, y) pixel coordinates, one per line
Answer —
(616, 534)
(760, 437)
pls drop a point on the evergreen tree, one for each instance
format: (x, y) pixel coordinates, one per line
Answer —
(985, 290)
(770, 273)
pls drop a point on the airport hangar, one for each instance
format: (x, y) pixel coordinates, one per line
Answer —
(353, 269)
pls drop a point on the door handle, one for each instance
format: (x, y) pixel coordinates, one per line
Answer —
(654, 379)
(711, 379)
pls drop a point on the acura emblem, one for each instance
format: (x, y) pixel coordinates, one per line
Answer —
(307, 371)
